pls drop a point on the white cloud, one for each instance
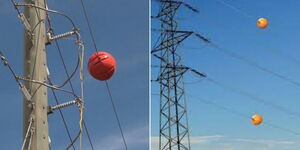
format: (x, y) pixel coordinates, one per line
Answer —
(219, 142)
(264, 141)
(135, 137)
(204, 139)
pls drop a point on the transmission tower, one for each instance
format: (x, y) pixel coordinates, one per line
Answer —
(174, 130)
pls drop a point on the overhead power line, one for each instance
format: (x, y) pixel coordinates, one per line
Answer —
(106, 83)
(67, 74)
(89, 25)
(254, 64)
(116, 114)
(245, 14)
(225, 3)
(248, 61)
(62, 115)
(254, 97)
(243, 115)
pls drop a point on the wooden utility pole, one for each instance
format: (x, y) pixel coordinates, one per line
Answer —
(35, 69)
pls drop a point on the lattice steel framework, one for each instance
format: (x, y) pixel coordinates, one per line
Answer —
(174, 131)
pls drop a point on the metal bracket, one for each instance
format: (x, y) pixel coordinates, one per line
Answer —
(25, 92)
(22, 17)
(20, 3)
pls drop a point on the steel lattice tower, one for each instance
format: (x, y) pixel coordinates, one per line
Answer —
(174, 131)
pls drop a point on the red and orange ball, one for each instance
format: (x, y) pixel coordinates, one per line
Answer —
(262, 23)
(102, 66)
(257, 119)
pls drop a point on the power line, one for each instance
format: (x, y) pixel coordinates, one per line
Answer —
(253, 97)
(254, 64)
(257, 66)
(88, 135)
(209, 102)
(89, 25)
(44, 9)
(106, 83)
(56, 99)
(282, 54)
(235, 8)
(116, 114)
(251, 63)
(248, 15)
(69, 81)
(75, 139)
(61, 114)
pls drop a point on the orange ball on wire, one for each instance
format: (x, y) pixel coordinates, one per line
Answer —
(257, 119)
(262, 23)
(102, 66)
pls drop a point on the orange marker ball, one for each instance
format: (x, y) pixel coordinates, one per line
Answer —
(102, 66)
(257, 119)
(262, 23)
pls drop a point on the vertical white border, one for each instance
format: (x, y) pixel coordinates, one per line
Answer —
(150, 74)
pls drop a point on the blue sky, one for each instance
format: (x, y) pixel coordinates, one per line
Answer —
(120, 28)
(275, 48)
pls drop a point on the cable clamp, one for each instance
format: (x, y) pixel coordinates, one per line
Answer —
(3, 59)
